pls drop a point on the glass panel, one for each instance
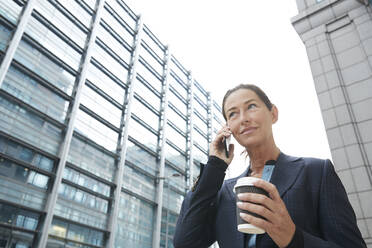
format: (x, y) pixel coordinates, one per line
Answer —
(149, 58)
(135, 223)
(149, 76)
(139, 183)
(141, 158)
(201, 109)
(175, 156)
(121, 12)
(200, 94)
(53, 43)
(179, 72)
(151, 43)
(172, 200)
(217, 122)
(44, 67)
(111, 64)
(79, 12)
(181, 106)
(96, 131)
(138, 132)
(23, 124)
(79, 213)
(200, 139)
(29, 91)
(200, 123)
(147, 94)
(83, 198)
(177, 86)
(10, 10)
(199, 156)
(59, 228)
(27, 219)
(77, 233)
(105, 83)
(145, 114)
(99, 105)
(175, 137)
(176, 119)
(20, 152)
(91, 159)
(58, 19)
(15, 238)
(91, 3)
(114, 44)
(5, 34)
(174, 178)
(86, 181)
(20, 193)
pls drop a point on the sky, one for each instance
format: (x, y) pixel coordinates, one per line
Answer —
(226, 43)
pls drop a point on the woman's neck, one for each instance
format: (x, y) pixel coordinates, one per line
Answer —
(260, 155)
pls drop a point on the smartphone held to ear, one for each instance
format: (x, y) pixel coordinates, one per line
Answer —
(226, 143)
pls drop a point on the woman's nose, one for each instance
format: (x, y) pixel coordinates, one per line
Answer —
(245, 117)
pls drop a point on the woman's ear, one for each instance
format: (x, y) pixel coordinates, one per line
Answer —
(274, 114)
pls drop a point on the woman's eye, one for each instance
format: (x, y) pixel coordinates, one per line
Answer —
(231, 114)
(252, 105)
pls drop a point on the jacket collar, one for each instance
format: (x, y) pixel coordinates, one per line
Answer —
(285, 173)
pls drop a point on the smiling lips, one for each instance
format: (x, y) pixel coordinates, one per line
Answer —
(248, 130)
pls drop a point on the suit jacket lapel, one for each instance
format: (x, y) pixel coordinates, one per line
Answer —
(285, 173)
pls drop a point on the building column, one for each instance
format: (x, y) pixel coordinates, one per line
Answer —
(161, 150)
(190, 128)
(16, 38)
(124, 127)
(65, 146)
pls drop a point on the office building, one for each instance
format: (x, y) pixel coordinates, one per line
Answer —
(338, 39)
(101, 128)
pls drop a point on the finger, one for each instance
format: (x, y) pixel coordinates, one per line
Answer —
(269, 188)
(258, 199)
(257, 209)
(258, 222)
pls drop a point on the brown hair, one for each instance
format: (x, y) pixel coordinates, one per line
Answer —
(260, 93)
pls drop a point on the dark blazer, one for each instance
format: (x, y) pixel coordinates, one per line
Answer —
(311, 190)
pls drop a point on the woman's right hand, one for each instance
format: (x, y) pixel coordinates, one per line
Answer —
(217, 147)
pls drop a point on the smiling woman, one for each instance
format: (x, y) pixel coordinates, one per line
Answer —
(208, 212)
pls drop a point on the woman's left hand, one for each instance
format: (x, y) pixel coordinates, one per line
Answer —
(278, 224)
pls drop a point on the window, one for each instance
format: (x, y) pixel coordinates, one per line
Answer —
(91, 159)
(23, 174)
(44, 67)
(96, 131)
(141, 158)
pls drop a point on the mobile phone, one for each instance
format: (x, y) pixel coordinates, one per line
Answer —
(226, 143)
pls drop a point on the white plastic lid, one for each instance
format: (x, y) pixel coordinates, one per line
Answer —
(245, 181)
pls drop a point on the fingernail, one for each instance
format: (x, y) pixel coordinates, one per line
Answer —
(243, 215)
(239, 204)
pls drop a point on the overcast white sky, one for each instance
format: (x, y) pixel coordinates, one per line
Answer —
(225, 43)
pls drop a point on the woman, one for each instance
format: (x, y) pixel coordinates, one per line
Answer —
(307, 204)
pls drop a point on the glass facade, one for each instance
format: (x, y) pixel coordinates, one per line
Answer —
(76, 119)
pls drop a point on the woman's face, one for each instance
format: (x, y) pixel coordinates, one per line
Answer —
(249, 119)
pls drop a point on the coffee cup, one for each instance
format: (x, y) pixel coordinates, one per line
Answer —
(245, 185)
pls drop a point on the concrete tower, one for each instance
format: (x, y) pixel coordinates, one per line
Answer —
(338, 39)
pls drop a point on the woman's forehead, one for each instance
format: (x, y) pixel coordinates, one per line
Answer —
(240, 96)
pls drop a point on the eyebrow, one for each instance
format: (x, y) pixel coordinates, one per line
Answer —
(246, 102)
